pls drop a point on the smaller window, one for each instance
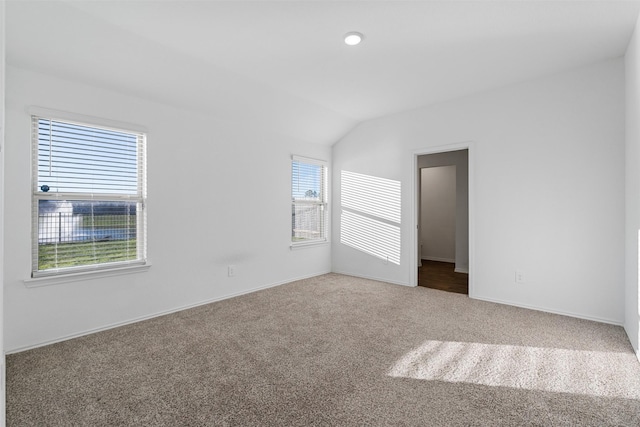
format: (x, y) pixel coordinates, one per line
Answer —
(309, 211)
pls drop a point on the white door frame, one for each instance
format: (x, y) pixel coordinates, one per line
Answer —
(415, 219)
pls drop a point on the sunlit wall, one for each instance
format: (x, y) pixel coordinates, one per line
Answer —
(370, 215)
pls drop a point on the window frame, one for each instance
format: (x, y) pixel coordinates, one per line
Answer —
(323, 202)
(81, 272)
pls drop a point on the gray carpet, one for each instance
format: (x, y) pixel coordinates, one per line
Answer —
(334, 350)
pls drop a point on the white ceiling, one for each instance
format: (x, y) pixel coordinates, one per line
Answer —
(284, 65)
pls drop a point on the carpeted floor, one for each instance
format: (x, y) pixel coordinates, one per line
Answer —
(334, 350)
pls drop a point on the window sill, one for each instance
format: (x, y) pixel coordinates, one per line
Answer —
(295, 246)
(85, 275)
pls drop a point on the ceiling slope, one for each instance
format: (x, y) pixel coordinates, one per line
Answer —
(283, 65)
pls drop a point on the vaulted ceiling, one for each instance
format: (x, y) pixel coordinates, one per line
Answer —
(284, 65)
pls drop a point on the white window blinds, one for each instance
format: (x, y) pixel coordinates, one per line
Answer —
(75, 158)
(88, 197)
(308, 201)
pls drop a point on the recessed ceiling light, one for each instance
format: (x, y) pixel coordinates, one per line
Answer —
(353, 38)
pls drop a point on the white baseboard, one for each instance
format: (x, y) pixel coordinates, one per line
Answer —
(461, 270)
(434, 258)
(377, 279)
(547, 310)
(160, 313)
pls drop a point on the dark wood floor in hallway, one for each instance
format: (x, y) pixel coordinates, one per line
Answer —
(441, 275)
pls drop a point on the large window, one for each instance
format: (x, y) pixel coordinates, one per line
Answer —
(89, 195)
(308, 201)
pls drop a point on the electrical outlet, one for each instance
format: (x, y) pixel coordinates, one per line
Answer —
(231, 270)
(519, 277)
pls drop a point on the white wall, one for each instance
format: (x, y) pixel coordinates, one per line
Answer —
(209, 182)
(460, 159)
(438, 213)
(632, 223)
(548, 174)
(2, 149)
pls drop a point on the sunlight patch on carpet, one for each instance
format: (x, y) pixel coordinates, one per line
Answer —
(591, 373)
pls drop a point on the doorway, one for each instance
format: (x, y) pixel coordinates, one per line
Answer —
(442, 220)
